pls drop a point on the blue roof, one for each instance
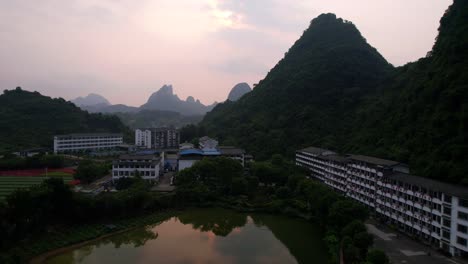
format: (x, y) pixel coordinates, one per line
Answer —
(147, 152)
(191, 152)
(200, 152)
(211, 153)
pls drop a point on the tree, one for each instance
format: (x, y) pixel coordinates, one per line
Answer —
(88, 171)
(376, 256)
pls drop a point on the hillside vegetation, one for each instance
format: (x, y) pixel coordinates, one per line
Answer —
(334, 90)
(29, 119)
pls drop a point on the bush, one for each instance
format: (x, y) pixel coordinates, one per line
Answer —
(376, 256)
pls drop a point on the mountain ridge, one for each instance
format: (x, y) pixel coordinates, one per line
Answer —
(333, 90)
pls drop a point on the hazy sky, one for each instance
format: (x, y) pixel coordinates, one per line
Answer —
(127, 49)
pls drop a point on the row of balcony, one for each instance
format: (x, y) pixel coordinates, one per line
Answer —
(427, 219)
(420, 195)
(423, 228)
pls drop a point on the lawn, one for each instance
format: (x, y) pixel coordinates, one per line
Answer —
(10, 183)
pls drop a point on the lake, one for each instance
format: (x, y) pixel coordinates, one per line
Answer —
(208, 236)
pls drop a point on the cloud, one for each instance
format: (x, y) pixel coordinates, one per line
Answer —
(126, 49)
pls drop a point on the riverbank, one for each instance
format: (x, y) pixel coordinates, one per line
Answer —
(43, 257)
(40, 248)
(76, 237)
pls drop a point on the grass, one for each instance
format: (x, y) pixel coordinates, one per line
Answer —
(9, 184)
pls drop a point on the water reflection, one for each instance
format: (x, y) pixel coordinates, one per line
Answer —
(220, 222)
(208, 236)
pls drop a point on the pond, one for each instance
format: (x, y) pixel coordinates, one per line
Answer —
(208, 236)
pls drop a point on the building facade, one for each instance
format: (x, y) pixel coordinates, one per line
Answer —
(86, 142)
(157, 138)
(147, 166)
(433, 211)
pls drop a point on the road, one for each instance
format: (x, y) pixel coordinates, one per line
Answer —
(402, 249)
(164, 184)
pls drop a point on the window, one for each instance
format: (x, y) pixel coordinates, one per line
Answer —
(462, 241)
(462, 229)
(446, 234)
(463, 203)
(447, 198)
(446, 222)
(447, 211)
(463, 216)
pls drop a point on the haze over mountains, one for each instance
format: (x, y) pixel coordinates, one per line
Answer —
(333, 90)
(162, 100)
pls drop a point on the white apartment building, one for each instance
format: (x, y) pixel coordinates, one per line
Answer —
(433, 211)
(143, 138)
(148, 167)
(86, 142)
(157, 138)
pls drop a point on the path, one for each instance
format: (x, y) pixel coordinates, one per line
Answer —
(401, 249)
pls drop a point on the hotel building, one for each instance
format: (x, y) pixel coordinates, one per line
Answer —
(86, 142)
(435, 212)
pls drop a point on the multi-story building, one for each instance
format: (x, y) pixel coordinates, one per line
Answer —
(435, 212)
(86, 142)
(147, 166)
(157, 138)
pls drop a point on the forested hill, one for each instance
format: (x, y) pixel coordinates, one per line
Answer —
(308, 98)
(333, 90)
(29, 119)
(421, 116)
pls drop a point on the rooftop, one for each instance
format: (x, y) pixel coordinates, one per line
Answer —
(230, 150)
(336, 158)
(138, 157)
(431, 184)
(90, 135)
(314, 150)
(373, 160)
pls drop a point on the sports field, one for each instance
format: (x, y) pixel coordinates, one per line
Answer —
(10, 183)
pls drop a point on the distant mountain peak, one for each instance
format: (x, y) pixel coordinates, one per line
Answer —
(190, 99)
(91, 99)
(238, 91)
(166, 100)
(166, 89)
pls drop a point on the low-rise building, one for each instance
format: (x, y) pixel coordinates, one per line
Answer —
(188, 157)
(435, 212)
(86, 142)
(147, 166)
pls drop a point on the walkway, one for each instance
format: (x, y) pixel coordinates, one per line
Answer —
(401, 249)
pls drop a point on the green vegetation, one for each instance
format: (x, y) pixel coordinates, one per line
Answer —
(89, 170)
(42, 215)
(278, 186)
(29, 119)
(8, 184)
(333, 90)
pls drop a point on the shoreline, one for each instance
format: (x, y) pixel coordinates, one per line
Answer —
(49, 254)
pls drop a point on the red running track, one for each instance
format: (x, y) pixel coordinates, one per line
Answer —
(34, 172)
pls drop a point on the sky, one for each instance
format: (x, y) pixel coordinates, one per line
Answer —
(127, 49)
